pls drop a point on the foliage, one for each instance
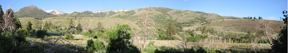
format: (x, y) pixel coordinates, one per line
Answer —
(249, 35)
(21, 34)
(89, 34)
(196, 38)
(71, 23)
(171, 30)
(94, 45)
(119, 40)
(46, 25)
(17, 23)
(41, 33)
(260, 17)
(151, 43)
(280, 44)
(263, 41)
(100, 28)
(69, 36)
(79, 28)
(29, 26)
(162, 35)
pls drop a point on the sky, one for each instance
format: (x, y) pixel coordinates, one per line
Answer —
(268, 9)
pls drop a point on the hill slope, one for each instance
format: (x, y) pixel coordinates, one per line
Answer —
(31, 11)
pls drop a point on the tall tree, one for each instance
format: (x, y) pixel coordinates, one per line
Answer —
(280, 44)
(254, 18)
(29, 26)
(171, 30)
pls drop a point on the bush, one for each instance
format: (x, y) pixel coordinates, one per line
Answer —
(151, 43)
(89, 34)
(196, 38)
(69, 36)
(21, 32)
(41, 33)
(94, 45)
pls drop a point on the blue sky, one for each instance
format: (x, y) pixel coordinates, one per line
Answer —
(268, 9)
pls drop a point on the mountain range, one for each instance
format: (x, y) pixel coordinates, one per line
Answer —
(33, 11)
(158, 17)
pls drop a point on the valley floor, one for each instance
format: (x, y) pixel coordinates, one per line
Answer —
(79, 43)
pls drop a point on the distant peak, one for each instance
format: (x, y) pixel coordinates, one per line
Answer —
(33, 6)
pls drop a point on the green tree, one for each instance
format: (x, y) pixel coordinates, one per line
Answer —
(29, 26)
(79, 27)
(260, 17)
(280, 44)
(171, 30)
(46, 25)
(250, 17)
(100, 27)
(1, 17)
(17, 23)
(50, 25)
(71, 23)
(94, 45)
(21, 34)
(119, 40)
(254, 18)
(249, 35)
(204, 30)
(41, 33)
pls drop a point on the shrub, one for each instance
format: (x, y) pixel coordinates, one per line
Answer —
(21, 32)
(41, 33)
(196, 38)
(69, 36)
(151, 43)
(89, 34)
(94, 45)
